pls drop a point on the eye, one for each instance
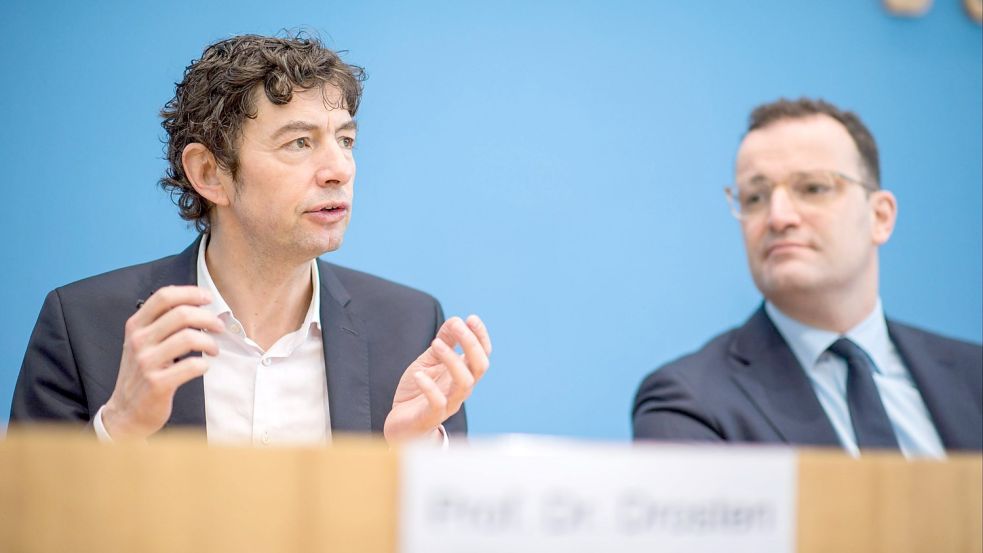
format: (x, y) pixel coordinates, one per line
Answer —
(813, 188)
(302, 143)
(751, 199)
(347, 142)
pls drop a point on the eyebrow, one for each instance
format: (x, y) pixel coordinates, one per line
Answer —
(293, 126)
(755, 180)
(305, 126)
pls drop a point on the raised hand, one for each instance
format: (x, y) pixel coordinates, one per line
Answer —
(435, 385)
(166, 328)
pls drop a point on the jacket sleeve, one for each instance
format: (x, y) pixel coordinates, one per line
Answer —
(666, 410)
(49, 388)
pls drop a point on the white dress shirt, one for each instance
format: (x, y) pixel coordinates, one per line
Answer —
(912, 423)
(276, 396)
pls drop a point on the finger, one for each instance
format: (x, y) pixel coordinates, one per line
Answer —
(167, 298)
(462, 381)
(435, 398)
(446, 331)
(481, 331)
(177, 345)
(474, 353)
(179, 318)
(184, 370)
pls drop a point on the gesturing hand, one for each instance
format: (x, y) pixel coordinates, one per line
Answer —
(435, 385)
(163, 330)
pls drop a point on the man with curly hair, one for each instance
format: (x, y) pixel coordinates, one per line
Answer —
(290, 348)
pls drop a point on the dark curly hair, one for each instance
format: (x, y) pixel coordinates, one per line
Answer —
(769, 113)
(217, 94)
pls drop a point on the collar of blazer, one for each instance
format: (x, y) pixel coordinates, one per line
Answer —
(765, 369)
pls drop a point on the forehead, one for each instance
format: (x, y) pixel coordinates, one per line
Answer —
(320, 106)
(786, 146)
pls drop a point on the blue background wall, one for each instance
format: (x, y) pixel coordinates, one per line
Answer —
(557, 168)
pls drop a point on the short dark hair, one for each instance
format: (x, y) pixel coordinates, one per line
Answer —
(217, 94)
(769, 113)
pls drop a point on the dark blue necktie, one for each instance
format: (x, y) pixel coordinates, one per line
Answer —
(870, 422)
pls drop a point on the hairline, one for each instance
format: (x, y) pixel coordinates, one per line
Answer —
(865, 176)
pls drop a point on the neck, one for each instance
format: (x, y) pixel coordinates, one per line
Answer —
(269, 296)
(836, 310)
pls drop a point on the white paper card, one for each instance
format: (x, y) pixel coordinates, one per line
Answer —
(525, 495)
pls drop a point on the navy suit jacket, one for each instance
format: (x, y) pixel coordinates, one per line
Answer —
(372, 329)
(746, 385)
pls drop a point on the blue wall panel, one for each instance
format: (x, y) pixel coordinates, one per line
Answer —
(555, 167)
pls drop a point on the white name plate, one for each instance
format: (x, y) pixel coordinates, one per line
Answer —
(525, 495)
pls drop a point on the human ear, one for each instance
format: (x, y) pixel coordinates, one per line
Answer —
(204, 174)
(884, 207)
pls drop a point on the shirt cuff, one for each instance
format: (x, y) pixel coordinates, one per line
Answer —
(100, 428)
(441, 435)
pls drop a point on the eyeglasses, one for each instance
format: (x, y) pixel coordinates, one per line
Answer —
(815, 189)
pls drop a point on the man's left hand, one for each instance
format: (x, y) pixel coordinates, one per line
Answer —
(435, 385)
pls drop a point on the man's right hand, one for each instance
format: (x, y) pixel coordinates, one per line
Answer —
(166, 328)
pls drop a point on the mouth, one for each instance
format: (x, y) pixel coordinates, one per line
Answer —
(329, 212)
(328, 206)
(785, 247)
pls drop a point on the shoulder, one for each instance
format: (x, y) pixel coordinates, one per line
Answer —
(127, 284)
(933, 342)
(698, 370)
(687, 398)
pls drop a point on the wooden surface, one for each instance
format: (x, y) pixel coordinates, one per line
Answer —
(887, 504)
(63, 492)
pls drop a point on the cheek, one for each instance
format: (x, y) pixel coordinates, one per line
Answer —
(271, 194)
(753, 233)
(856, 236)
(263, 208)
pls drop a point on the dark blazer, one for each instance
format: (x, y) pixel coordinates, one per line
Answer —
(372, 330)
(746, 385)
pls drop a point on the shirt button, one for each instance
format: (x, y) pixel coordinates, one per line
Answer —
(234, 328)
(267, 361)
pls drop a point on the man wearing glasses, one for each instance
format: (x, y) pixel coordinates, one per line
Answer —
(818, 363)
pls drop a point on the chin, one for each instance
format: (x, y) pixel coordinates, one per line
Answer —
(315, 246)
(786, 282)
(330, 243)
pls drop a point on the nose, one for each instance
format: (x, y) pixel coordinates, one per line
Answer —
(336, 166)
(782, 212)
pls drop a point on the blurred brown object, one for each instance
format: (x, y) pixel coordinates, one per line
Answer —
(61, 492)
(884, 503)
(975, 9)
(908, 8)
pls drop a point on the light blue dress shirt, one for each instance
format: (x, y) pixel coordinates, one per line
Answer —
(827, 373)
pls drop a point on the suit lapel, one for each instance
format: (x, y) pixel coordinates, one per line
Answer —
(189, 400)
(950, 404)
(767, 371)
(346, 357)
